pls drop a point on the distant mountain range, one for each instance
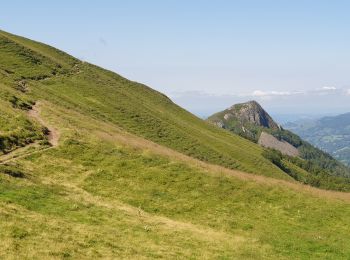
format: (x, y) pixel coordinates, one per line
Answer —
(331, 134)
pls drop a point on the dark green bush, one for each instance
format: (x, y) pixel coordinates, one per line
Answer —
(276, 158)
(19, 103)
(11, 171)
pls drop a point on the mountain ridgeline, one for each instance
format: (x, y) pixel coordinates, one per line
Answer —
(286, 149)
(136, 108)
(93, 165)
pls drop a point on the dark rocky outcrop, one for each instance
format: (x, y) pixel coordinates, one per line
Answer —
(253, 113)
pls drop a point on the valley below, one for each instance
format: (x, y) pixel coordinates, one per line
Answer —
(331, 134)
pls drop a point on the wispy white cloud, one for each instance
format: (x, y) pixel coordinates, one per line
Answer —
(313, 100)
(260, 93)
(265, 94)
(326, 90)
(323, 91)
(329, 88)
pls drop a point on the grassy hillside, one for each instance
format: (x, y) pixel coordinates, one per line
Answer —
(130, 105)
(125, 180)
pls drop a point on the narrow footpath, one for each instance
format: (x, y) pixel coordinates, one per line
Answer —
(53, 138)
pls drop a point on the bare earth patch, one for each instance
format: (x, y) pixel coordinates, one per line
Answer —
(284, 147)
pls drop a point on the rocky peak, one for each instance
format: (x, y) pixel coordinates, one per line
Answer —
(251, 112)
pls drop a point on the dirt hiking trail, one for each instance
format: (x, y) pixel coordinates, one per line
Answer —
(53, 135)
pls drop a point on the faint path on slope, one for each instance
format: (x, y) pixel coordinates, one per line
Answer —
(53, 138)
(140, 143)
(18, 153)
(150, 220)
(53, 135)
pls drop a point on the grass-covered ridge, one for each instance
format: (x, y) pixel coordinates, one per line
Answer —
(138, 109)
(120, 184)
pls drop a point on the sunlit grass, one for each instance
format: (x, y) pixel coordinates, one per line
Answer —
(125, 180)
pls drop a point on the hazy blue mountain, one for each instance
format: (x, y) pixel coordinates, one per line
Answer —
(331, 134)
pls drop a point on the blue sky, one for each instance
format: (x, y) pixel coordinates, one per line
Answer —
(292, 56)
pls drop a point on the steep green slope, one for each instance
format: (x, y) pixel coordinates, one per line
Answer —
(105, 193)
(117, 185)
(132, 106)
